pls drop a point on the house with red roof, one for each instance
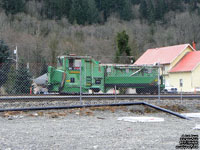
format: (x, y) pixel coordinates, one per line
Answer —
(180, 65)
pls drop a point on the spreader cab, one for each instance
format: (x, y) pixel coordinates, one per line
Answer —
(73, 72)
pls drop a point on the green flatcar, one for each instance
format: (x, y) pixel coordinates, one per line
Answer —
(75, 74)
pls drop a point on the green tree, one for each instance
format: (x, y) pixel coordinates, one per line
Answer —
(56, 9)
(193, 5)
(150, 12)
(143, 9)
(106, 7)
(13, 6)
(126, 10)
(10, 83)
(23, 79)
(123, 49)
(160, 9)
(4, 52)
(92, 12)
(175, 5)
(135, 2)
(75, 12)
(83, 11)
(4, 62)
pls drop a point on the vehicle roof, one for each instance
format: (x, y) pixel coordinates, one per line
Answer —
(79, 57)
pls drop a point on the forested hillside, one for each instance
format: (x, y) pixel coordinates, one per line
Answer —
(43, 29)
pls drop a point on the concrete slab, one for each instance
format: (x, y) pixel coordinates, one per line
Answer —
(141, 119)
(192, 115)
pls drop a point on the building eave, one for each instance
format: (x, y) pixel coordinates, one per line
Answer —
(188, 45)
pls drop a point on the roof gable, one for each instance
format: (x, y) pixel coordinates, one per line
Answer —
(188, 62)
(163, 55)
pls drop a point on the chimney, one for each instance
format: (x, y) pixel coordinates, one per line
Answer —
(194, 45)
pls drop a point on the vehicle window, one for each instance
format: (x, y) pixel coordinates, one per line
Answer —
(71, 62)
(149, 71)
(59, 62)
(77, 62)
(108, 69)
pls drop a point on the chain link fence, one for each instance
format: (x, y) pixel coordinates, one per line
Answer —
(89, 78)
(81, 77)
(19, 79)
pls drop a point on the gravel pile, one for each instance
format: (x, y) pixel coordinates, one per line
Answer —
(91, 129)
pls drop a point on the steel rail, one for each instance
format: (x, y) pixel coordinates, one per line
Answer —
(97, 97)
(97, 105)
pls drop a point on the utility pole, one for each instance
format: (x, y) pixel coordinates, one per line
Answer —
(16, 53)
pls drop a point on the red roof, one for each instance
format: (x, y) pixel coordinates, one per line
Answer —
(188, 63)
(163, 55)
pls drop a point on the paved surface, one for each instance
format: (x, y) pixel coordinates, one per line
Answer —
(91, 129)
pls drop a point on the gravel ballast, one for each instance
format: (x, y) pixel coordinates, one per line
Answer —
(91, 129)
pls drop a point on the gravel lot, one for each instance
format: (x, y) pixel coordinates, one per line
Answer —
(91, 129)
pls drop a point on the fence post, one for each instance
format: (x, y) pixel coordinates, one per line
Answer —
(159, 82)
(115, 92)
(81, 83)
(181, 96)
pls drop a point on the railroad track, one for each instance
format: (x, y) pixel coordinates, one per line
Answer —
(47, 102)
(91, 97)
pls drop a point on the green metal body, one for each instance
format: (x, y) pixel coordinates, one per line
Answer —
(66, 78)
(75, 71)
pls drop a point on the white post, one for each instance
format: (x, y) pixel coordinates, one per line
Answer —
(80, 83)
(181, 96)
(159, 81)
(16, 58)
(115, 92)
(27, 66)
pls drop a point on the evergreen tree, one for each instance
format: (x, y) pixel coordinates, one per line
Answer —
(64, 7)
(75, 12)
(123, 48)
(92, 12)
(193, 5)
(23, 79)
(4, 52)
(143, 9)
(13, 6)
(160, 9)
(4, 62)
(10, 83)
(106, 7)
(150, 12)
(135, 2)
(56, 9)
(83, 11)
(126, 10)
(174, 5)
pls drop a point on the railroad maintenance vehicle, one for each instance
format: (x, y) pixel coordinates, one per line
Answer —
(75, 74)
